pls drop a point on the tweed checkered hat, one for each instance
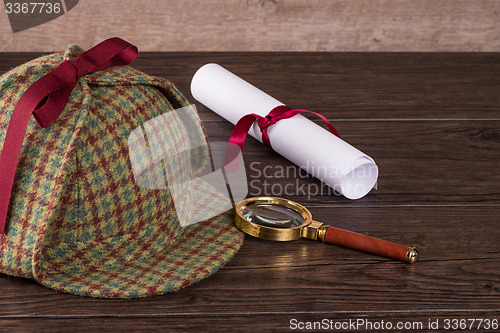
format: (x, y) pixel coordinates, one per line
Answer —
(77, 221)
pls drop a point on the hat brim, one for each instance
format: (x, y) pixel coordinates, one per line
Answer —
(200, 251)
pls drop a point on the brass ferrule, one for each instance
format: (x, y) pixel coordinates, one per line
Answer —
(315, 230)
(412, 255)
(322, 232)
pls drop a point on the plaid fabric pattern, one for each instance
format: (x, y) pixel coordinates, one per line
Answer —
(77, 220)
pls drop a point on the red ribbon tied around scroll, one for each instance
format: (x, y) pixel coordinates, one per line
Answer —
(46, 99)
(243, 125)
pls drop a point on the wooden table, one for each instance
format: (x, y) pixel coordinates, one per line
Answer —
(432, 124)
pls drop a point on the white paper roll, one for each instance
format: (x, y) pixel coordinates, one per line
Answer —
(313, 148)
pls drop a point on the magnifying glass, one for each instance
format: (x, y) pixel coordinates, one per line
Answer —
(279, 219)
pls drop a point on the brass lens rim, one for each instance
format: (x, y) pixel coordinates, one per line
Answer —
(270, 233)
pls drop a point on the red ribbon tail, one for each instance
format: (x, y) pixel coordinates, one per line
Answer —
(332, 129)
(237, 139)
(50, 110)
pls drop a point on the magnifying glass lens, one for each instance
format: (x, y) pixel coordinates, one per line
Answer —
(274, 216)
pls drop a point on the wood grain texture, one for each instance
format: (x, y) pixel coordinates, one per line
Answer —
(270, 25)
(431, 122)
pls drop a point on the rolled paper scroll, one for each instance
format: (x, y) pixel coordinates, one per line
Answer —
(341, 166)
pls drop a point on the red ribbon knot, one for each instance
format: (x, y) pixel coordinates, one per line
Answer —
(243, 125)
(280, 112)
(46, 99)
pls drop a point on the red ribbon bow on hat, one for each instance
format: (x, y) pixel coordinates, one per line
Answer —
(46, 99)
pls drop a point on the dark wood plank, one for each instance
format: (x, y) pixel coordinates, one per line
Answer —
(359, 86)
(342, 321)
(420, 163)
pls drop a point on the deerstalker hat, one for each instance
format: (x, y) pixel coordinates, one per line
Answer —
(76, 220)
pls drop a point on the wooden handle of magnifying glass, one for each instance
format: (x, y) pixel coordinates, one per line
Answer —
(369, 244)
